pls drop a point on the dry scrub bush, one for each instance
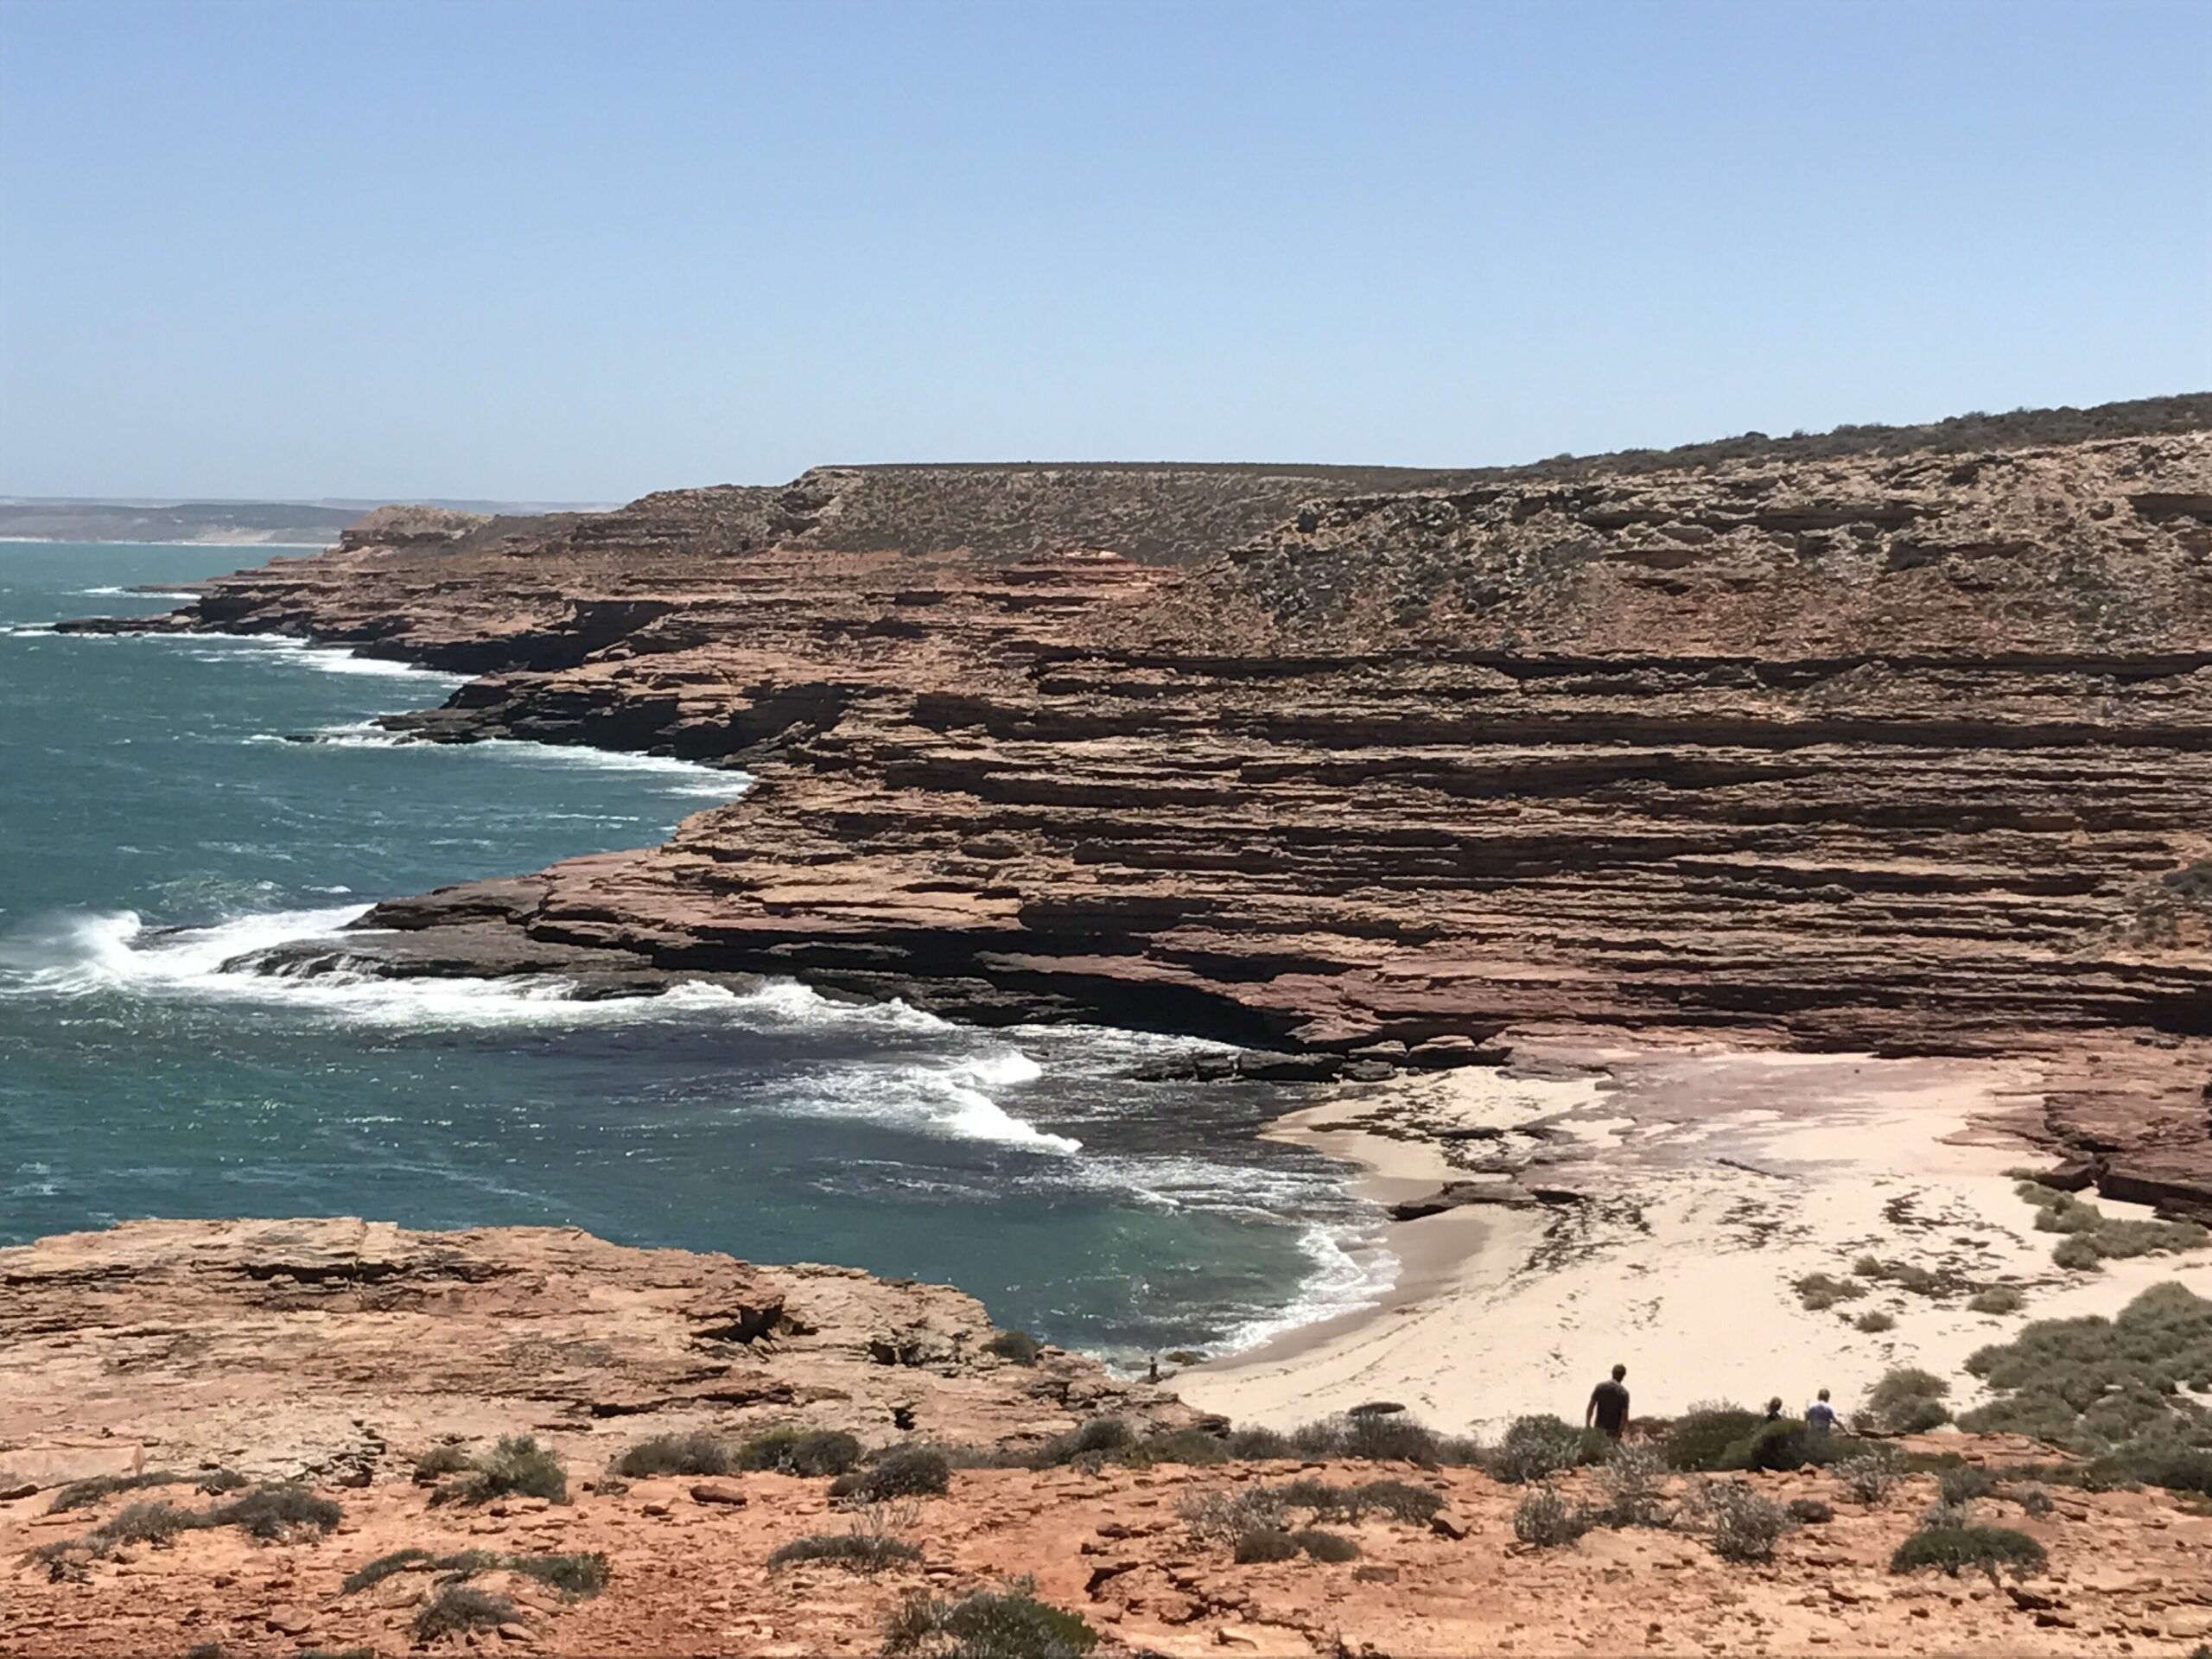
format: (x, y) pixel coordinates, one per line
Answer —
(1742, 1526)
(1869, 1476)
(1546, 1518)
(1635, 1485)
(902, 1471)
(1952, 1547)
(1007, 1623)
(516, 1463)
(456, 1610)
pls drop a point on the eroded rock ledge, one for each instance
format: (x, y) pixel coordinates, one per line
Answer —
(339, 1350)
(1905, 753)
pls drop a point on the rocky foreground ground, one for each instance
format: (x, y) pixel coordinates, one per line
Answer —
(1901, 750)
(338, 1355)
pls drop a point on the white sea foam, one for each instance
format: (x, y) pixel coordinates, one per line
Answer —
(680, 777)
(118, 953)
(669, 776)
(135, 593)
(1352, 1269)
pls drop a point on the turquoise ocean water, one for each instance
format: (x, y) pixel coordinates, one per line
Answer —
(156, 821)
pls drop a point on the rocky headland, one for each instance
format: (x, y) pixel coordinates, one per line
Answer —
(1879, 743)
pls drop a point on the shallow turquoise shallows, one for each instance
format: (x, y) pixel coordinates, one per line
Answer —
(149, 784)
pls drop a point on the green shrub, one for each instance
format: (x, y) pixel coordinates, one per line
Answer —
(1702, 1438)
(1875, 1321)
(449, 1457)
(1262, 1545)
(1017, 1345)
(1744, 1527)
(2092, 1236)
(1908, 1401)
(1400, 1500)
(1394, 1439)
(1784, 1444)
(1184, 1446)
(1966, 1483)
(2178, 1469)
(574, 1575)
(1222, 1517)
(1536, 1447)
(1259, 1444)
(1369, 1436)
(1809, 1511)
(1998, 1299)
(577, 1573)
(83, 1494)
(812, 1452)
(2122, 1387)
(1095, 1438)
(902, 1471)
(2033, 1500)
(1546, 1519)
(143, 1523)
(1953, 1549)
(2079, 1254)
(1869, 1476)
(456, 1610)
(1634, 1482)
(370, 1573)
(269, 1513)
(859, 1552)
(1008, 1624)
(516, 1463)
(696, 1453)
(1325, 1546)
(1820, 1293)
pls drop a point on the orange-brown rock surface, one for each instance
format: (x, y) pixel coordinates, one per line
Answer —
(1905, 752)
(340, 1351)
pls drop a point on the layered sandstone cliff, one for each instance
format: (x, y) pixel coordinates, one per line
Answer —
(1898, 752)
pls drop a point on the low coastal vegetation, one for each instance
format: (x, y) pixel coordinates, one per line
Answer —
(268, 1514)
(860, 1552)
(1907, 1401)
(1819, 1292)
(514, 1466)
(1008, 1623)
(1017, 1345)
(576, 1576)
(783, 1451)
(2092, 1237)
(1225, 1517)
(900, 1471)
(2124, 1392)
(458, 1609)
(1951, 1548)
(1264, 1544)
(83, 1494)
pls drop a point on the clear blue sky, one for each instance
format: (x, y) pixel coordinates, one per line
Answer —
(576, 251)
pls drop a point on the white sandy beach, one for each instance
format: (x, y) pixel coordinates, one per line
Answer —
(1710, 1181)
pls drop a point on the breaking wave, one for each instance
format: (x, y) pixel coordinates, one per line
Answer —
(77, 956)
(670, 776)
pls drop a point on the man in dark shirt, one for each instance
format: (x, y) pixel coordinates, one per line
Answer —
(1609, 1405)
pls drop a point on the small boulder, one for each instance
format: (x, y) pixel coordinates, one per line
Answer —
(289, 1621)
(1445, 1524)
(707, 1492)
